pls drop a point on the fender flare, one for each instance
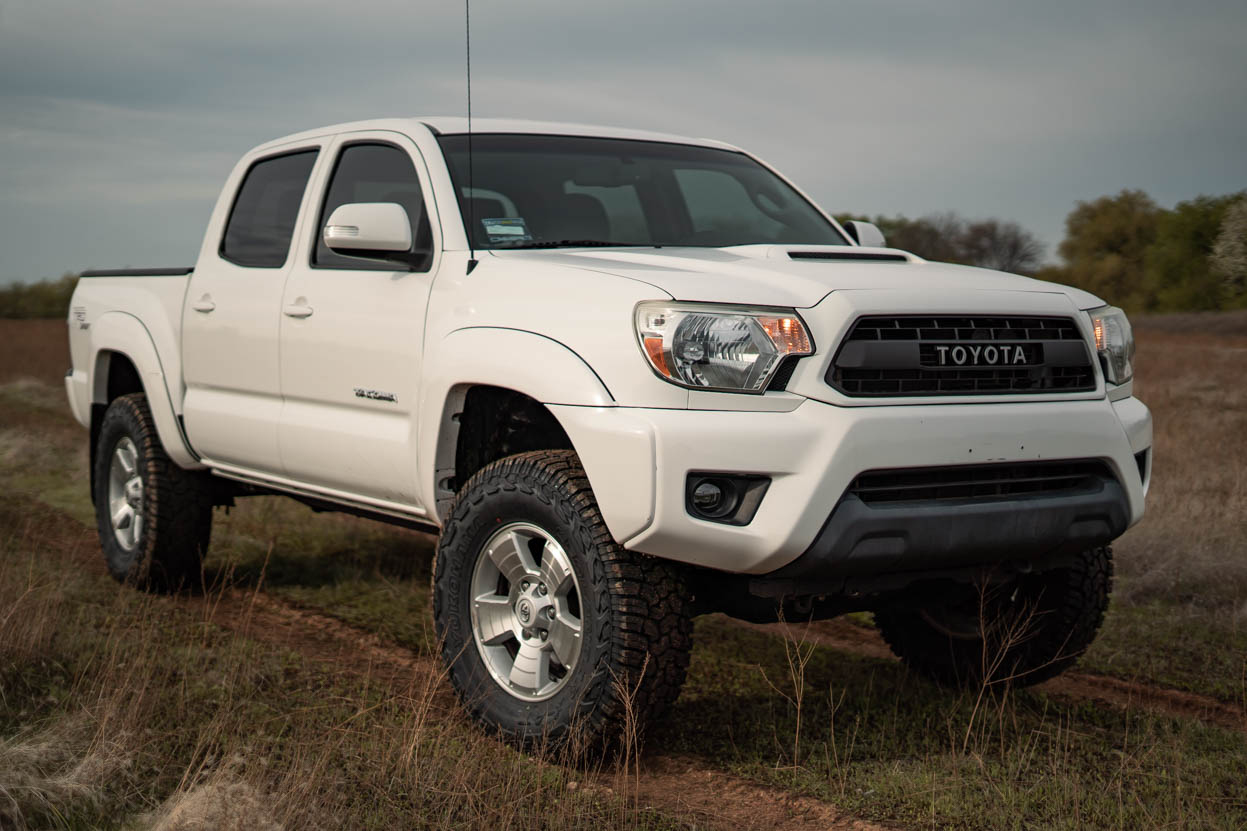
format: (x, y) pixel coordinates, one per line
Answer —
(535, 365)
(126, 335)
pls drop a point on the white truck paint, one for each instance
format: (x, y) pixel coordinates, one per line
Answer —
(346, 384)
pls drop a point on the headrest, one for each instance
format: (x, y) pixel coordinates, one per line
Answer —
(583, 217)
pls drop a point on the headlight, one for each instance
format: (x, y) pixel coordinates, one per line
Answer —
(734, 348)
(1114, 340)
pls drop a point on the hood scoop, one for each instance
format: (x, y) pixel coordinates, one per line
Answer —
(852, 256)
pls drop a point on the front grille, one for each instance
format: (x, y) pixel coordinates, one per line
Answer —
(977, 482)
(914, 355)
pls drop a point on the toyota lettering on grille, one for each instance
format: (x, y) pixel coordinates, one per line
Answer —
(982, 354)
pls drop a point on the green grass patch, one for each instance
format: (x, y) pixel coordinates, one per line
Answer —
(1183, 646)
(364, 573)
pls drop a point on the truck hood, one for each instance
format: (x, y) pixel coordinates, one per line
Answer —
(769, 275)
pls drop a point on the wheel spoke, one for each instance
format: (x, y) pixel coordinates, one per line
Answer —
(510, 556)
(556, 571)
(123, 517)
(532, 668)
(494, 619)
(126, 457)
(565, 639)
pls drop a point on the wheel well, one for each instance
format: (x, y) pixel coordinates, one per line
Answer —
(121, 377)
(496, 422)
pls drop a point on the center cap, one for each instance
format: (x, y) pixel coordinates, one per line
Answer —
(524, 609)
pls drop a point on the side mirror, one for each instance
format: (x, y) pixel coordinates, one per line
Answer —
(865, 233)
(374, 230)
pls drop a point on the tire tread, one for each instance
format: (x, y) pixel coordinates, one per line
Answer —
(646, 634)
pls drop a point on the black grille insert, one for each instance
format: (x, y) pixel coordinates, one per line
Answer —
(917, 355)
(978, 482)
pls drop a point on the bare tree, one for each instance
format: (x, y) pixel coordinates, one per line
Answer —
(1004, 246)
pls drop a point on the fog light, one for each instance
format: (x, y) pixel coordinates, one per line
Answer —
(708, 497)
(730, 498)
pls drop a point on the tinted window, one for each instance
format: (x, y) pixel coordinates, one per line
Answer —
(546, 191)
(262, 220)
(373, 173)
(721, 209)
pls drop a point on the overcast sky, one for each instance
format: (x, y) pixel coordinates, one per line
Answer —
(119, 119)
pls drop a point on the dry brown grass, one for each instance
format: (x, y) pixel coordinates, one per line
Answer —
(162, 713)
(1191, 546)
(1232, 324)
(34, 349)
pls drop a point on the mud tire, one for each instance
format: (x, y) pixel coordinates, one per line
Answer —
(1018, 634)
(176, 505)
(636, 627)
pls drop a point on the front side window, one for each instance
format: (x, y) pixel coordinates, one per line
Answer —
(538, 191)
(261, 223)
(373, 172)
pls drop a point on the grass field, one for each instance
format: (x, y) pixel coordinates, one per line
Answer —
(299, 690)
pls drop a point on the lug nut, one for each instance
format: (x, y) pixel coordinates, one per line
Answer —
(550, 612)
(541, 589)
(527, 634)
(544, 634)
(524, 586)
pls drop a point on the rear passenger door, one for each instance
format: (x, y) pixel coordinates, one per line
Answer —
(230, 357)
(352, 332)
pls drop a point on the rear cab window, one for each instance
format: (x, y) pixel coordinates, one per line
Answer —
(262, 219)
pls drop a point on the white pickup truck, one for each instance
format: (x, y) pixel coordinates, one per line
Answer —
(631, 378)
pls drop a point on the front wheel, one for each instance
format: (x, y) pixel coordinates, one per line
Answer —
(1020, 633)
(154, 518)
(550, 629)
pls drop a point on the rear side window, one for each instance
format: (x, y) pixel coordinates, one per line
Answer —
(370, 172)
(261, 222)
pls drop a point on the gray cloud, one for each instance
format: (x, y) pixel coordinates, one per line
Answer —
(122, 117)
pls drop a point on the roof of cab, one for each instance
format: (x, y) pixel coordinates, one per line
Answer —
(455, 124)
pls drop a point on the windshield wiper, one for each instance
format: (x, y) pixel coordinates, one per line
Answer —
(571, 243)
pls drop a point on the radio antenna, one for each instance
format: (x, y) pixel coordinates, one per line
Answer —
(467, 29)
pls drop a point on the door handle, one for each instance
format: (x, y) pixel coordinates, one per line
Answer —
(203, 304)
(298, 310)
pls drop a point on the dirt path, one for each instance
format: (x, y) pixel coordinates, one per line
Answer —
(676, 785)
(846, 636)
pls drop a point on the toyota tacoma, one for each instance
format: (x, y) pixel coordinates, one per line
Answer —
(629, 378)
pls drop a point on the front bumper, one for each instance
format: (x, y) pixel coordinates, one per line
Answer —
(637, 461)
(869, 541)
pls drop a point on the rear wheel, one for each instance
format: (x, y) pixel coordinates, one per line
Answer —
(154, 518)
(549, 628)
(1021, 632)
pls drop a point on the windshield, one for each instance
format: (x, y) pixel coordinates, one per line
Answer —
(535, 191)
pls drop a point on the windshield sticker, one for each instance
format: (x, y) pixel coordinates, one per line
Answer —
(507, 229)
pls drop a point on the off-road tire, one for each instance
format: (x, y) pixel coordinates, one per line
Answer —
(176, 507)
(637, 631)
(1028, 630)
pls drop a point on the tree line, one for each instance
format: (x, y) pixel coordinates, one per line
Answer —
(46, 298)
(1124, 248)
